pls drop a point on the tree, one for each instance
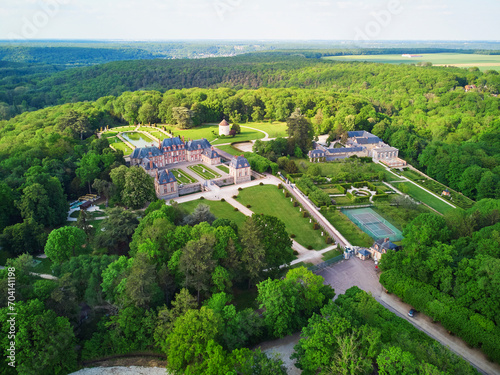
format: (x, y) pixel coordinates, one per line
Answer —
(141, 287)
(197, 264)
(104, 188)
(425, 229)
(300, 130)
(236, 128)
(394, 361)
(45, 343)
(83, 223)
(190, 337)
(183, 117)
(253, 251)
(35, 204)
(138, 189)
(349, 358)
(77, 123)
(117, 229)
(7, 207)
(64, 243)
(28, 236)
(89, 168)
(488, 187)
(200, 214)
(148, 113)
(289, 303)
(276, 241)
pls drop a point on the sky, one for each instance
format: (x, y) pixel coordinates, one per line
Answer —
(250, 19)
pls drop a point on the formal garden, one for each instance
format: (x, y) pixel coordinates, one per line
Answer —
(182, 177)
(204, 172)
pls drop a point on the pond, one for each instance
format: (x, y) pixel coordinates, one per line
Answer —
(138, 139)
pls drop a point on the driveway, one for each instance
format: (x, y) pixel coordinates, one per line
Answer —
(355, 272)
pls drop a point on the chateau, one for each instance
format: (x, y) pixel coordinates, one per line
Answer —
(159, 161)
(361, 144)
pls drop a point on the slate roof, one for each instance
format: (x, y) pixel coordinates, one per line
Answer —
(165, 177)
(364, 252)
(316, 153)
(169, 142)
(193, 145)
(141, 153)
(239, 162)
(344, 149)
(147, 165)
(360, 133)
(368, 140)
(384, 244)
(212, 154)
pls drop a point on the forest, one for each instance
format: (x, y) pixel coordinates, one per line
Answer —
(168, 281)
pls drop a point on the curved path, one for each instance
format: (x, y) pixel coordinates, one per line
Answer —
(266, 136)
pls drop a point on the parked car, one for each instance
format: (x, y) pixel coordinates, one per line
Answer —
(412, 313)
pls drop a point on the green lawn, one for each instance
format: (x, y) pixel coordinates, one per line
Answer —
(331, 254)
(399, 216)
(154, 132)
(206, 131)
(483, 62)
(269, 200)
(184, 178)
(92, 214)
(222, 210)
(425, 197)
(223, 168)
(204, 171)
(123, 128)
(330, 189)
(275, 130)
(119, 145)
(302, 264)
(109, 134)
(348, 229)
(388, 175)
(230, 150)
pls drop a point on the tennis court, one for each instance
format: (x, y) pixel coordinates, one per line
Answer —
(373, 224)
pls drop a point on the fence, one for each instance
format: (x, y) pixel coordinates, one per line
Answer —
(327, 263)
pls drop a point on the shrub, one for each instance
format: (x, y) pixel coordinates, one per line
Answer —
(316, 226)
(309, 247)
(379, 197)
(305, 214)
(235, 196)
(280, 186)
(201, 198)
(328, 239)
(295, 203)
(248, 205)
(236, 209)
(292, 235)
(350, 196)
(261, 183)
(295, 252)
(222, 200)
(286, 194)
(340, 188)
(240, 189)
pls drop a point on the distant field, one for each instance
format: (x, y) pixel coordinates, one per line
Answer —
(229, 149)
(275, 130)
(425, 197)
(483, 62)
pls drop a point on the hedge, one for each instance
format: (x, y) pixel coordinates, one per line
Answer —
(350, 196)
(340, 188)
(473, 328)
(379, 197)
(361, 199)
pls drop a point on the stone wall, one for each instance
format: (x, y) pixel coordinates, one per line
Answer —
(224, 181)
(189, 189)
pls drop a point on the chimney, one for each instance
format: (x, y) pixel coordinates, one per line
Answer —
(386, 239)
(151, 164)
(159, 144)
(183, 139)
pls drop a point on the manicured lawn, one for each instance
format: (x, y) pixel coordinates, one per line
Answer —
(388, 175)
(330, 189)
(223, 168)
(119, 145)
(222, 210)
(109, 134)
(154, 132)
(123, 128)
(211, 132)
(275, 130)
(204, 171)
(302, 264)
(271, 201)
(348, 229)
(399, 216)
(184, 178)
(230, 150)
(422, 195)
(344, 201)
(331, 254)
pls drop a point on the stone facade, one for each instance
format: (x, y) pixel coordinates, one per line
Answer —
(239, 168)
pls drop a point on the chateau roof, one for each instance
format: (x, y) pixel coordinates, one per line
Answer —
(342, 150)
(368, 140)
(198, 144)
(212, 154)
(239, 162)
(316, 153)
(141, 153)
(224, 123)
(147, 165)
(165, 177)
(169, 142)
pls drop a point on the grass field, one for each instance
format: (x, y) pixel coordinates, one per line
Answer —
(154, 132)
(399, 216)
(109, 134)
(123, 128)
(204, 171)
(260, 197)
(274, 130)
(483, 62)
(230, 150)
(425, 197)
(331, 254)
(119, 145)
(218, 208)
(223, 168)
(348, 229)
(184, 178)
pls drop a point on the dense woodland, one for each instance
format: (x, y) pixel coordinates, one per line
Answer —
(162, 280)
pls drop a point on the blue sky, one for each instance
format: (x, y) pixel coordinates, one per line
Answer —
(250, 19)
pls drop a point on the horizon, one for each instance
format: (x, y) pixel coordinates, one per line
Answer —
(308, 20)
